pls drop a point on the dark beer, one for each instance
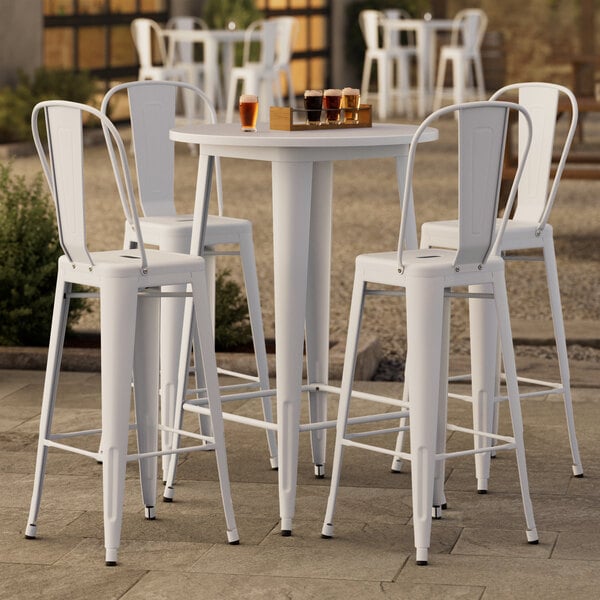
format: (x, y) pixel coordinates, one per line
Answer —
(313, 100)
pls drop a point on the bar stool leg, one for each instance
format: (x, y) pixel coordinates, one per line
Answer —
(354, 322)
(209, 362)
(561, 349)
(258, 336)
(424, 319)
(145, 379)
(508, 357)
(55, 346)
(118, 307)
(484, 352)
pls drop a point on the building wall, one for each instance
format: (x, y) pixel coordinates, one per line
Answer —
(21, 35)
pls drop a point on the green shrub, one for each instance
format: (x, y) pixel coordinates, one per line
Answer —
(46, 84)
(232, 325)
(29, 249)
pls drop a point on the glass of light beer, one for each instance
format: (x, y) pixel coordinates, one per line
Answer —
(313, 101)
(248, 111)
(350, 104)
(332, 101)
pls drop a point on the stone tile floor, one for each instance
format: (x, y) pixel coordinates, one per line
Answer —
(478, 550)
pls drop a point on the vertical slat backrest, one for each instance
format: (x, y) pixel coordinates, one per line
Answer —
(152, 106)
(542, 100)
(286, 30)
(482, 133)
(482, 128)
(469, 28)
(63, 166)
(369, 25)
(542, 104)
(268, 46)
(65, 177)
(152, 113)
(145, 32)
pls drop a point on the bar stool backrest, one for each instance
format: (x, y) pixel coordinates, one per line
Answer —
(369, 21)
(468, 29)
(482, 128)
(535, 197)
(152, 110)
(268, 42)
(147, 39)
(63, 167)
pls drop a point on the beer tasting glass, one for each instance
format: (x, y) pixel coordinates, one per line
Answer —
(350, 104)
(248, 111)
(313, 100)
(332, 100)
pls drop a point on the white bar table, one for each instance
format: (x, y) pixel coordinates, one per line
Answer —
(426, 32)
(302, 189)
(212, 40)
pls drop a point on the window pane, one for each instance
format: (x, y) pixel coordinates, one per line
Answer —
(317, 73)
(58, 48)
(122, 51)
(318, 32)
(122, 6)
(92, 48)
(58, 7)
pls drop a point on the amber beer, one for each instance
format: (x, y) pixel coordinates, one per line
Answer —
(350, 104)
(332, 101)
(248, 111)
(313, 101)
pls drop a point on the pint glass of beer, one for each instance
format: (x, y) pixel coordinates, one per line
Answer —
(350, 104)
(248, 111)
(332, 100)
(313, 100)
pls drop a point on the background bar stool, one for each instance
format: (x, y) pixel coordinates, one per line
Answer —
(427, 278)
(527, 229)
(182, 54)
(127, 282)
(287, 31)
(148, 42)
(387, 56)
(152, 112)
(464, 52)
(261, 77)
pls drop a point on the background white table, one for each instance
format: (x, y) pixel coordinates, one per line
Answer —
(302, 191)
(426, 32)
(213, 40)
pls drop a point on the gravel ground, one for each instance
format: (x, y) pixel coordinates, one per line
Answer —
(366, 219)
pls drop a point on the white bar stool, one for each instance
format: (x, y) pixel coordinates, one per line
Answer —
(428, 279)
(127, 282)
